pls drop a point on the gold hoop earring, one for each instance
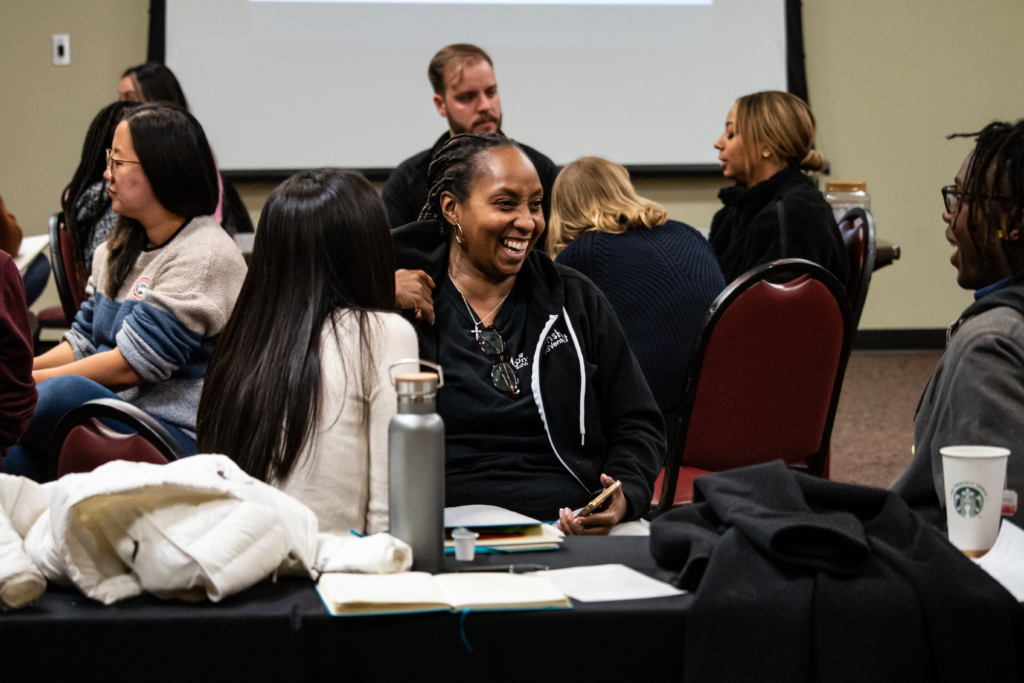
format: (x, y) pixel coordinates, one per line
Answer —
(460, 236)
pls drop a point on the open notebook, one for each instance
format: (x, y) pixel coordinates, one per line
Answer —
(408, 592)
(500, 529)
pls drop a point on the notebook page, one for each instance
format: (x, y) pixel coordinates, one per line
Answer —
(497, 590)
(382, 589)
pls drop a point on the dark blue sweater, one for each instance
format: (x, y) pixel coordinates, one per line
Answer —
(660, 281)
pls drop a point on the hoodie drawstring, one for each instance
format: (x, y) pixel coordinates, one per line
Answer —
(583, 378)
(535, 381)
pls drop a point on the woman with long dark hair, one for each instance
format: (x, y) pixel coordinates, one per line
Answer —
(297, 392)
(154, 82)
(162, 288)
(88, 213)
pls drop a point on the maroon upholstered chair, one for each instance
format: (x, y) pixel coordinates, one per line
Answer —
(65, 276)
(81, 443)
(764, 377)
(858, 229)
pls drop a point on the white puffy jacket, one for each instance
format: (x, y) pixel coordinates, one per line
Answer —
(196, 527)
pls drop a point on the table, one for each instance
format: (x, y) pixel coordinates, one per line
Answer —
(283, 632)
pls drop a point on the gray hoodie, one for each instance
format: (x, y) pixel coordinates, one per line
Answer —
(974, 397)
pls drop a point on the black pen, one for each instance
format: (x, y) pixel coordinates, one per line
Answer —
(505, 568)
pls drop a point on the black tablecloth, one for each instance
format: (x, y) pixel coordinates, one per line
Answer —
(283, 632)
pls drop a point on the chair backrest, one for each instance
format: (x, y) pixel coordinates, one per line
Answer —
(857, 227)
(65, 274)
(764, 379)
(81, 442)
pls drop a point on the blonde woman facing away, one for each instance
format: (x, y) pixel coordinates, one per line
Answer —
(659, 275)
(774, 211)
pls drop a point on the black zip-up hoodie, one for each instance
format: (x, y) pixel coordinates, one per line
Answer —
(598, 411)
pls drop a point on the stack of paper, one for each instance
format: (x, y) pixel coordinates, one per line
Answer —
(358, 594)
(500, 530)
(1005, 561)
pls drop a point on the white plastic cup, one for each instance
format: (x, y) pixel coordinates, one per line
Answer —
(974, 477)
(465, 544)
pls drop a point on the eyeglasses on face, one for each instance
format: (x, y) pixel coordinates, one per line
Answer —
(954, 198)
(503, 375)
(113, 161)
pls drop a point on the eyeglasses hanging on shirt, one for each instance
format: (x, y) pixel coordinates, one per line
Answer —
(503, 375)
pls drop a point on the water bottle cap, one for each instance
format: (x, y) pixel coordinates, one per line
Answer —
(416, 384)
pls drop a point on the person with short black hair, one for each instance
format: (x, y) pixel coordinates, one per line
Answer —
(774, 211)
(161, 291)
(466, 94)
(976, 394)
(297, 392)
(544, 404)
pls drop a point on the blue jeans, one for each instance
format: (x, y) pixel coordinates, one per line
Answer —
(35, 278)
(57, 396)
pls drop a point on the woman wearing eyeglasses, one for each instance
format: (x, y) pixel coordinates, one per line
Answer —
(544, 404)
(774, 211)
(161, 290)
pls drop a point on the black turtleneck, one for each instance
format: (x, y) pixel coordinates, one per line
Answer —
(746, 233)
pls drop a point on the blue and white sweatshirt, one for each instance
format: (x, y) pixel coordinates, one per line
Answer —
(165, 318)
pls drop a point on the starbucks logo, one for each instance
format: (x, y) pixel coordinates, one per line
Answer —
(968, 501)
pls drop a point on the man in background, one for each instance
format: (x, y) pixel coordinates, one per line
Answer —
(465, 93)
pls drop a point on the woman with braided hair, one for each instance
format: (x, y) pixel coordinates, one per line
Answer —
(976, 394)
(774, 211)
(544, 404)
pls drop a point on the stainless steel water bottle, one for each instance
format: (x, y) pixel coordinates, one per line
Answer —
(416, 468)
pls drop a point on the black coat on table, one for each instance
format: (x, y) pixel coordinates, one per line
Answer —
(782, 217)
(801, 579)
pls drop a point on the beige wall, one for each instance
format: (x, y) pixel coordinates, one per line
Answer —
(45, 110)
(888, 79)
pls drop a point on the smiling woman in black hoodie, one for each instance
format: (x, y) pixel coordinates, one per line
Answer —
(544, 404)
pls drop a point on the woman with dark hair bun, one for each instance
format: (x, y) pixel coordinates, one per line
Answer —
(544, 403)
(774, 211)
(161, 290)
(297, 392)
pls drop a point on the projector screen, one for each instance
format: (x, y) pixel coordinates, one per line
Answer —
(284, 84)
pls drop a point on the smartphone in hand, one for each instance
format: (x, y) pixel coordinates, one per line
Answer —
(593, 505)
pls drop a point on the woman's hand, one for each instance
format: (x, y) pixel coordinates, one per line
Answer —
(598, 523)
(412, 290)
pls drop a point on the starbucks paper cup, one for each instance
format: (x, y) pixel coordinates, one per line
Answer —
(974, 478)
